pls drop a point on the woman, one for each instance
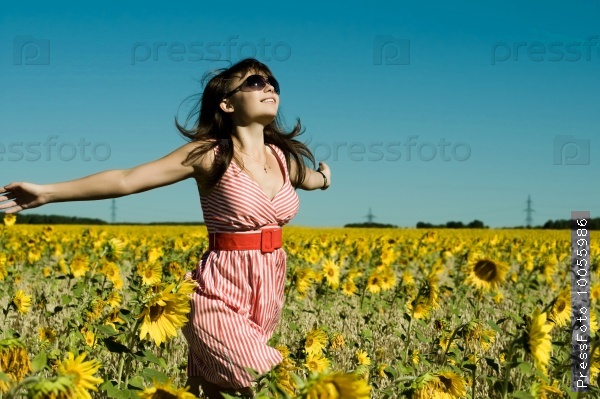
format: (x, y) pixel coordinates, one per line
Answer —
(246, 169)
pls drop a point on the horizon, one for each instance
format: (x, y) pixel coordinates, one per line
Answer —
(424, 112)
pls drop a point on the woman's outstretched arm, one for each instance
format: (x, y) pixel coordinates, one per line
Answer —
(107, 184)
(312, 179)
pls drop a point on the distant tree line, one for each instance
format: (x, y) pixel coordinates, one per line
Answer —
(475, 224)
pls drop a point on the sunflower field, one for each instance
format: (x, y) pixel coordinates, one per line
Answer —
(96, 312)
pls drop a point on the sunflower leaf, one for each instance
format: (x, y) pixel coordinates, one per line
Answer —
(39, 362)
(150, 374)
(522, 395)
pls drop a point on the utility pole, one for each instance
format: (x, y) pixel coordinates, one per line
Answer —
(370, 216)
(529, 211)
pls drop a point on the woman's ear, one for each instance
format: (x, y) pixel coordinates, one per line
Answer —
(226, 106)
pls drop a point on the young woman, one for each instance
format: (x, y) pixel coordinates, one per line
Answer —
(247, 169)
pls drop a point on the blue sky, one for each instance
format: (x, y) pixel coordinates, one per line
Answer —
(424, 112)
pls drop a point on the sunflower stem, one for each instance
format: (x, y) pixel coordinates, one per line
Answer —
(412, 316)
(473, 381)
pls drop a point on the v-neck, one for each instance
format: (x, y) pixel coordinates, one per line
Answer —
(281, 169)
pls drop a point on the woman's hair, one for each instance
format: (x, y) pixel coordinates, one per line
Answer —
(213, 126)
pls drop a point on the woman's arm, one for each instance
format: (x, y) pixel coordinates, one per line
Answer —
(313, 180)
(107, 184)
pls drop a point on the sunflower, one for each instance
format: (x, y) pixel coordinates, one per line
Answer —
(22, 301)
(113, 273)
(90, 338)
(594, 292)
(114, 299)
(560, 314)
(154, 254)
(165, 391)
(316, 340)
(9, 219)
(484, 273)
(363, 358)
(336, 385)
(14, 362)
(442, 385)
(331, 271)
(3, 271)
(164, 314)
(338, 342)
(539, 342)
(151, 273)
(453, 385)
(114, 248)
(348, 288)
(80, 264)
(316, 363)
(415, 356)
(381, 371)
(304, 278)
(374, 282)
(543, 391)
(81, 373)
(46, 334)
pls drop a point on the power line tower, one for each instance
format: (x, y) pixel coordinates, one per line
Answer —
(370, 216)
(113, 212)
(529, 211)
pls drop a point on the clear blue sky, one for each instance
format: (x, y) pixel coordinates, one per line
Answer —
(508, 92)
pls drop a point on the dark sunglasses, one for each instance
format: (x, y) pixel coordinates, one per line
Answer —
(255, 83)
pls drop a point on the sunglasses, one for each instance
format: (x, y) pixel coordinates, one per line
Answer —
(255, 83)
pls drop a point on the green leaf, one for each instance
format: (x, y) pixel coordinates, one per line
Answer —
(66, 299)
(522, 395)
(137, 382)
(492, 363)
(39, 362)
(367, 334)
(150, 374)
(107, 330)
(155, 359)
(114, 346)
(494, 326)
(4, 377)
(525, 367)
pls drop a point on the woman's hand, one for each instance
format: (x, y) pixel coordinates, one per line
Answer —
(323, 167)
(22, 195)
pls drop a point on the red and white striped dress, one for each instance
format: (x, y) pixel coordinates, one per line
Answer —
(237, 306)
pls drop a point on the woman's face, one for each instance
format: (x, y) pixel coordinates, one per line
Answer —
(245, 107)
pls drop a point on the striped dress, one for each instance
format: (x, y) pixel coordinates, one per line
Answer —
(237, 305)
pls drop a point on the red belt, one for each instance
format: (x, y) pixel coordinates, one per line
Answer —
(267, 240)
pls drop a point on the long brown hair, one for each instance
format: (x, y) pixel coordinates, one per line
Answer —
(213, 127)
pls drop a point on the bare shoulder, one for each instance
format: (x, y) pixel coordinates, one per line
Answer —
(201, 163)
